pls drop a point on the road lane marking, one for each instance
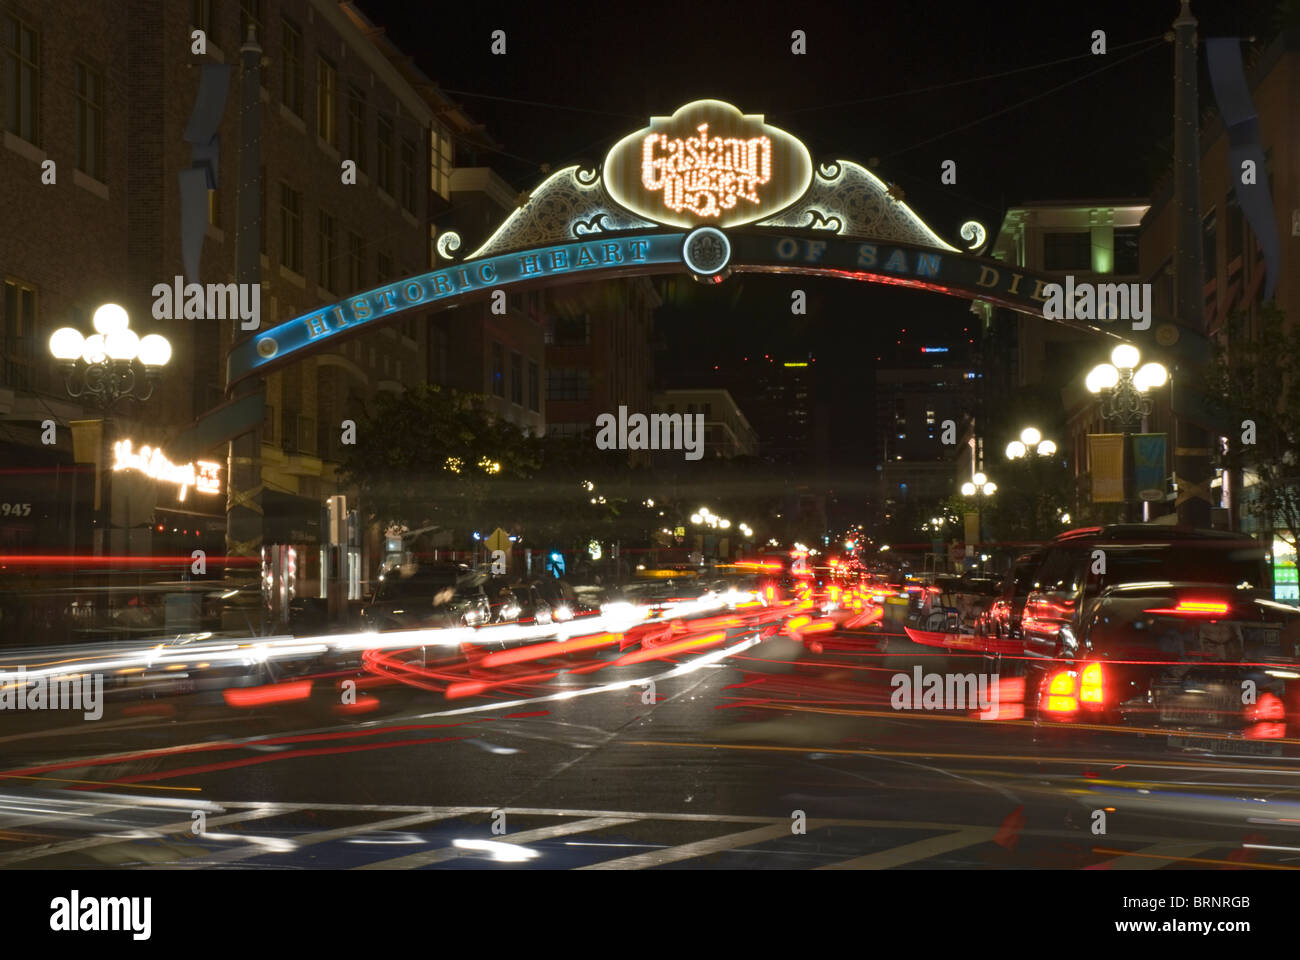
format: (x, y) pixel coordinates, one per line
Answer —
(443, 854)
(920, 850)
(69, 846)
(322, 836)
(700, 848)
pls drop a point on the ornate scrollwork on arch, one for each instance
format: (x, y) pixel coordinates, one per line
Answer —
(858, 202)
(571, 203)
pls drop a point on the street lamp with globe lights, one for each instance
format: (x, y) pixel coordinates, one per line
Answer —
(102, 367)
(1124, 389)
(980, 488)
(1031, 443)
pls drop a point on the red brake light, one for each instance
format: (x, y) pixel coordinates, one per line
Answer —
(1194, 608)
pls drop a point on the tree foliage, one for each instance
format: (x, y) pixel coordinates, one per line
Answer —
(1257, 380)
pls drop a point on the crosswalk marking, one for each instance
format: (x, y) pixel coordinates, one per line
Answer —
(1168, 850)
(323, 836)
(700, 848)
(920, 850)
(69, 846)
(443, 854)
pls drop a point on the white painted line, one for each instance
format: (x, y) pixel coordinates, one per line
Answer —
(701, 848)
(69, 846)
(323, 836)
(920, 850)
(443, 854)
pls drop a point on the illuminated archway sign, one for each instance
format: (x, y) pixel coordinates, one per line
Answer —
(709, 191)
(204, 476)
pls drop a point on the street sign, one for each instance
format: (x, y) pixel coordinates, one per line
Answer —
(499, 540)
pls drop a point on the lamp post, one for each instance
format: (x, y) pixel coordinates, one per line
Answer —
(1125, 388)
(979, 488)
(111, 365)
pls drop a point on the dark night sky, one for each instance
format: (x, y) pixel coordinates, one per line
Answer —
(592, 73)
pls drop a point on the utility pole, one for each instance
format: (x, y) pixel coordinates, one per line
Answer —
(1192, 470)
(244, 474)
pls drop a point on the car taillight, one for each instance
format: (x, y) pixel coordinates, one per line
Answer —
(1269, 707)
(1194, 608)
(1061, 693)
(1092, 692)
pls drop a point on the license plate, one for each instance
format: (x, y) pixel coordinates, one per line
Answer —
(1210, 705)
(1229, 746)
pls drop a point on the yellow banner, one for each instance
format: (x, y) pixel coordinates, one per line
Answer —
(1106, 463)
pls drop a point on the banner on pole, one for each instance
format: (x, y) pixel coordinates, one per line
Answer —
(1106, 463)
(1149, 469)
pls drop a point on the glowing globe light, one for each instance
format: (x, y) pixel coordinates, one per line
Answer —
(66, 343)
(1046, 448)
(990, 488)
(1102, 377)
(155, 350)
(110, 318)
(968, 489)
(1150, 376)
(122, 344)
(980, 479)
(93, 350)
(1125, 356)
(1015, 449)
(1030, 436)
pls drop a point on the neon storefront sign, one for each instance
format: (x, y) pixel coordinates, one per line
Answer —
(203, 475)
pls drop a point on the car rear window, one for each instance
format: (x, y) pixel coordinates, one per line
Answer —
(1234, 566)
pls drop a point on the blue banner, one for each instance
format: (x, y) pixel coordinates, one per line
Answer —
(1149, 469)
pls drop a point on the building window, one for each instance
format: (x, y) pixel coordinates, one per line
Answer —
(327, 249)
(440, 163)
(326, 78)
(201, 16)
(357, 126)
(383, 268)
(1067, 251)
(291, 60)
(570, 331)
(498, 370)
(214, 208)
(89, 121)
(516, 379)
(17, 350)
(250, 12)
(534, 387)
(407, 181)
(290, 228)
(261, 180)
(384, 157)
(268, 423)
(568, 383)
(1126, 252)
(437, 354)
(22, 52)
(356, 263)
